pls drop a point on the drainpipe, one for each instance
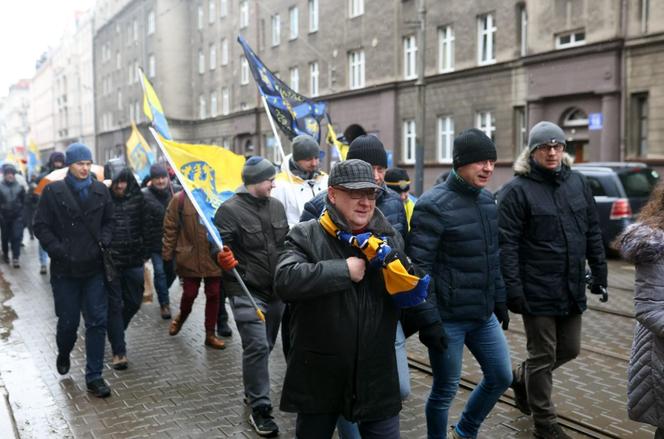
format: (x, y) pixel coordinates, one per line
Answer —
(623, 79)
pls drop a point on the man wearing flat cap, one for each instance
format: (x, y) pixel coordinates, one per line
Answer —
(548, 229)
(339, 275)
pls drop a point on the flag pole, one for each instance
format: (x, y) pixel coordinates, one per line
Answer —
(276, 135)
(211, 229)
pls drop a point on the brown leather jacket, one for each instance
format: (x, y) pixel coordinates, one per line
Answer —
(185, 238)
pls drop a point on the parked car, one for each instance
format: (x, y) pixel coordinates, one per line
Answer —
(620, 190)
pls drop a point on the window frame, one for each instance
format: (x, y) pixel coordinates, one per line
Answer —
(313, 15)
(486, 27)
(201, 62)
(225, 101)
(356, 69)
(152, 66)
(244, 70)
(224, 52)
(481, 123)
(212, 55)
(314, 77)
(293, 23)
(244, 14)
(276, 29)
(151, 22)
(407, 136)
(294, 78)
(573, 41)
(445, 138)
(355, 8)
(446, 40)
(409, 57)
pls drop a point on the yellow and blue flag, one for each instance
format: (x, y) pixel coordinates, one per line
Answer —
(292, 112)
(153, 109)
(33, 159)
(211, 173)
(332, 140)
(139, 154)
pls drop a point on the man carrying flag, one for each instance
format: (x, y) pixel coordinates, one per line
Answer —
(253, 227)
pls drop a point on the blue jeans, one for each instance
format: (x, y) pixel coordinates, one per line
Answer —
(43, 256)
(125, 295)
(350, 430)
(164, 275)
(73, 296)
(487, 343)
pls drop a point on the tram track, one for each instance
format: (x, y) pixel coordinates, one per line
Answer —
(584, 428)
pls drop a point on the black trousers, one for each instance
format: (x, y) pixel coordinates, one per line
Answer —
(12, 233)
(321, 426)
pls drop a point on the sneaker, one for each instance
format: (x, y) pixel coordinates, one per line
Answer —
(62, 364)
(99, 388)
(16, 264)
(165, 312)
(452, 434)
(43, 270)
(120, 362)
(263, 422)
(550, 431)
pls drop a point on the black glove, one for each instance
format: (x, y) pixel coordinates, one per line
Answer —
(433, 336)
(500, 310)
(396, 254)
(597, 288)
(517, 304)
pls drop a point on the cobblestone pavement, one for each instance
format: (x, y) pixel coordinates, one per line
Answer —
(176, 387)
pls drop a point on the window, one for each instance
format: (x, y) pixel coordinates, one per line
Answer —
(313, 15)
(409, 141)
(212, 11)
(201, 62)
(520, 130)
(486, 39)
(523, 29)
(213, 56)
(152, 67)
(570, 39)
(244, 71)
(485, 122)
(355, 8)
(150, 22)
(313, 79)
(135, 30)
(445, 138)
(224, 52)
(223, 8)
(135, 70)
(201, 107)
(643, 15)
(119, 99)
(356, 69)
(213, 104)
(410, 57)
(640, 123)
(272, 149)
(137, 110)
(293, 17)
(200, 17)
(446, 49)
(225, 101)
(118, 60)
(276, 30)
(294, 79)
(244, 14)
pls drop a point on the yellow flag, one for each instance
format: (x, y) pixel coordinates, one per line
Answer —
(153, 109)
(331, 139)
(139, 154)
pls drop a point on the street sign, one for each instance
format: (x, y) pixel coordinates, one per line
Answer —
(595, 121)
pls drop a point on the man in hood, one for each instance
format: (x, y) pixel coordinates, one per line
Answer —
(12, 199)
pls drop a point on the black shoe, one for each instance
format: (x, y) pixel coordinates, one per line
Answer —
(263, 422)
(62, 364)
(99, 388)
(550, 431)
(224, 330)
(16, 264)
(521, 397)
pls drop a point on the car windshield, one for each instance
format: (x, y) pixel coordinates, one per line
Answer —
(639, 182)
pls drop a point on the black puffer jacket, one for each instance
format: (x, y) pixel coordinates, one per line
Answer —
(129, 215)
(12, 199)
(255, 229)
(389, 203)
(454, 238)
(548, 228)
(342, 333)
(156, 202)
(59, 227)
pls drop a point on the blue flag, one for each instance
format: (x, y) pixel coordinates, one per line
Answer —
(292, 112)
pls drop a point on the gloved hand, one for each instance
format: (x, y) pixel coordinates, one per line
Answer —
(226, 259)
(597, 288)
(433, 336)
(517, 304)
(500, 310)
(396, 254)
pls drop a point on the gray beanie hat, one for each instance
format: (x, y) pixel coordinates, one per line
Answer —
(257, 169)
(545, 132)
(305, 147)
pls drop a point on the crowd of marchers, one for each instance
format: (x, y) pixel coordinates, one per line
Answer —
(348, 266)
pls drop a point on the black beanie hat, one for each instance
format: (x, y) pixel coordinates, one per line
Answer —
(157, 170)
(368, 148)
(305, 147)
(353, 131)
(472, 146)
(257, 169)
(397, 179)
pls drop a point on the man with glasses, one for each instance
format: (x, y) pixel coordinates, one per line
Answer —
(548, 229)
(336, 273)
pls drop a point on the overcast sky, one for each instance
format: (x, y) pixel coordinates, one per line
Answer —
(27, 29)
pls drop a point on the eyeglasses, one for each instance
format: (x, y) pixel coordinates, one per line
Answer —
(369, 194)
(557, 147)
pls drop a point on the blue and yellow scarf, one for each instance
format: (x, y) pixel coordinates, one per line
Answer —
(406, 290)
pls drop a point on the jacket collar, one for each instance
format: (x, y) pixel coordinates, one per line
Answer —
(456, 183)
(244, 194)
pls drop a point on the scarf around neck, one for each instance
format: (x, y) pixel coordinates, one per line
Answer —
(405, 289)
(80, 187)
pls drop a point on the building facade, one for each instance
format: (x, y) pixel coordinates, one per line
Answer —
(591, 67)
(14, 118)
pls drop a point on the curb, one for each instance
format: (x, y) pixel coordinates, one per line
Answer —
(7, 422)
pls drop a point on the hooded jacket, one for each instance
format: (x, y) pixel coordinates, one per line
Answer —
(156, 202)
(454, 238)
(12, 199)
(644, 246)
(294, 189)
(130, 223)
(548, 229)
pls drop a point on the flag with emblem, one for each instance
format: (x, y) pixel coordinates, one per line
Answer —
(33, 158)
(139, 154)
(292, 112)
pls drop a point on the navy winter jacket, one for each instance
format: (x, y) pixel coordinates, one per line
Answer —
(454, 238)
